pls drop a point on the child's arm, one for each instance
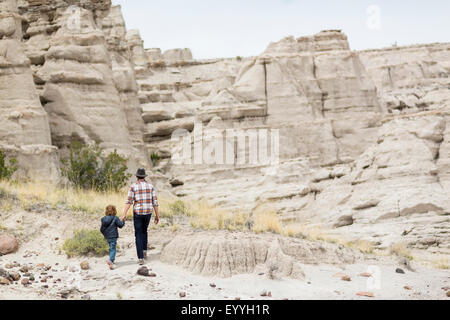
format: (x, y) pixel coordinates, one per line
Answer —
(120, 223)
(103, 227)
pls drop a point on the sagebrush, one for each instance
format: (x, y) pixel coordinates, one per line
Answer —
(86, 242)
(7, 168)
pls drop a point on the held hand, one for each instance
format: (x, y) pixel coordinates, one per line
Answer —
(157, 219)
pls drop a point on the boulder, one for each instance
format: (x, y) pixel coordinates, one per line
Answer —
(8, 244)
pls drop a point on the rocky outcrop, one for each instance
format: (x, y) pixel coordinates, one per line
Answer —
(361, 139)
(362, 135)
(24, 127)
(113, 26)
(84, 73)
(225, 255)
(8, 244)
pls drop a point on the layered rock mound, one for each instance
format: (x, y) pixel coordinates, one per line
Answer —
(225, 255)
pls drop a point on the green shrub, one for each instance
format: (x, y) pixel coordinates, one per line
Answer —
(85, 242)
(7, 170)
(154, 157)
(112, 175)
(87, 168)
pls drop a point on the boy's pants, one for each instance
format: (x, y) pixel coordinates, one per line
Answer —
(141, 223)
(112, 249)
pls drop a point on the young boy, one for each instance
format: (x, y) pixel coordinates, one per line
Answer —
(110, 223)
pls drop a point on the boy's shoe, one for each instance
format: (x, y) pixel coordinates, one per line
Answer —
(111, 265)
(141, 262)
(145, 255)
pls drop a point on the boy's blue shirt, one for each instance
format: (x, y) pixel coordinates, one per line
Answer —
(109, 227)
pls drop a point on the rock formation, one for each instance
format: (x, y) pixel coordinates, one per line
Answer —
(359, 141)
(24, 126)
(362, 135)
(230, 254)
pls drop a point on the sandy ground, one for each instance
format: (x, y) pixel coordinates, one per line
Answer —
(47, 230)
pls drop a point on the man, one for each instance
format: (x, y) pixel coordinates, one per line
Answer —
(142, 196)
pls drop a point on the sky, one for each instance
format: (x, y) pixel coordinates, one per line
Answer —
(230, 28)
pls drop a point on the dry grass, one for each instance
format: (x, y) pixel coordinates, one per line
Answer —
(30, 194)
(441, 263)
(400, 249)
(205, 216)
(266, 220)
(362, 245)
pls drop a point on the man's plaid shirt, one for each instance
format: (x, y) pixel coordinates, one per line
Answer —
(143, 196)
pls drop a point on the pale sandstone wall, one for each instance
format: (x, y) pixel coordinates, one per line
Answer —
(84, 73)
(24, 128)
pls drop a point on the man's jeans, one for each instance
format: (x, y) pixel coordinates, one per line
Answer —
(112, 249)
(141, 223)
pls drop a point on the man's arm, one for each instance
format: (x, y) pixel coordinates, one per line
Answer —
(155, 206)
(157, 215)
(125, 211)
(128, 204)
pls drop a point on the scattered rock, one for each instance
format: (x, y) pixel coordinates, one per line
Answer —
(448, 293)
(346, 278)
(44, 279)
(30, 276)
(366, 275)
(86, 297)
(143, 271)
(152, 274)
(263, 293)
(269, 294)
(15, 276)
(212, 285)
(366, 294)
(84, 265)
(237, 298)
(182, 294)
(4, 281)
(407, 288)
(9, 266)
(24, 269)
(25, 281)
(8, 244)
(3, 272)
(401, 271)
